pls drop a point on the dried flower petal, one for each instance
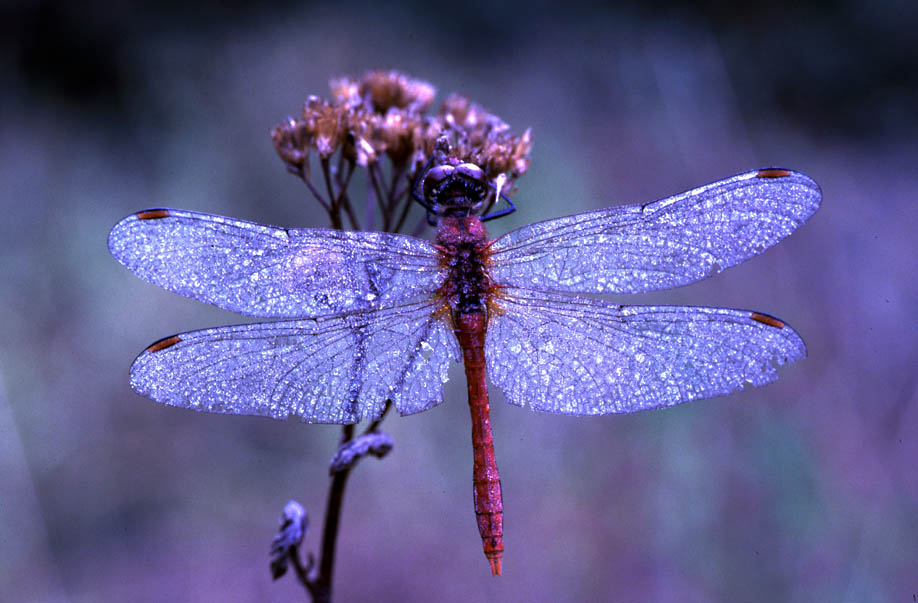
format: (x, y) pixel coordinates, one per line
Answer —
(386, 89)
(377, 443)
(293, 527)
(345, 91)
(325, 124)
(291, 144)
(366, 154)
(398, 134)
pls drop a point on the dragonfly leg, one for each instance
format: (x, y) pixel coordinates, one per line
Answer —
(504, 212)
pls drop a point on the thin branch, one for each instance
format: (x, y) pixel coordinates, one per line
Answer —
(346, 205)
(375, 424)
(339, 200)
(405, 207)
(398, 196)
(373, 171)
(337, 172)
(321, 586)
(315, 193)
(404, 215)
(392, 200)
(344, 199)
(343, 184)
(335, 199)
(302, 572)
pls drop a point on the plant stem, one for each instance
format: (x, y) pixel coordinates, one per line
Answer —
(321, 588)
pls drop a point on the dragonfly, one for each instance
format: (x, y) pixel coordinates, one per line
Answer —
(364, 319)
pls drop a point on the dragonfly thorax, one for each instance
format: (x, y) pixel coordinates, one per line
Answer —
(463, 243)
(456, 190)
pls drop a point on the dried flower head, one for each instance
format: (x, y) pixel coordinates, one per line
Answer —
(326, 124)
(292, 144)
(322, 128)
(484, 139)
(387, 89)
(383, 115)
(345, 92)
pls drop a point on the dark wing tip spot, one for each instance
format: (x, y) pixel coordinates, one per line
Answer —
(765, 319)
(152, 214)
(162, 344)
(772, 173)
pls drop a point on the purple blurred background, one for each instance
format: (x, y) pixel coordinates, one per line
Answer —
(805, 490)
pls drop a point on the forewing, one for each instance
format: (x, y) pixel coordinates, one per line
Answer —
(273, 272)
(667, 243)
(588, 357)
(328, 369)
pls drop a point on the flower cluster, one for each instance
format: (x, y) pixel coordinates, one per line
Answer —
(484, 139)
(383, 116)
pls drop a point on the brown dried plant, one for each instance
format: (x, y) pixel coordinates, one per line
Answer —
(378, 123)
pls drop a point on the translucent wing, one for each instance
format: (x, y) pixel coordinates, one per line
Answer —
(328, 369)
(273, 272)
(588, 357)
(670, 242)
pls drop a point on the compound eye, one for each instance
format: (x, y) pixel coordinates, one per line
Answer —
(437, 175)
(470, 171)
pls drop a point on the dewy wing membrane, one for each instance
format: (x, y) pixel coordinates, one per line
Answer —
(667, 243)
(273, 272)
(583, 356)
(331, 369)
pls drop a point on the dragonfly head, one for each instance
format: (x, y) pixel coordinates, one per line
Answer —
(456, 190)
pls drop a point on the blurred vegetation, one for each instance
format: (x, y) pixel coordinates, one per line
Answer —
(788, 56)
(804, 490)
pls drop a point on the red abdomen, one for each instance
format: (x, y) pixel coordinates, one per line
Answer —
(489, 511)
